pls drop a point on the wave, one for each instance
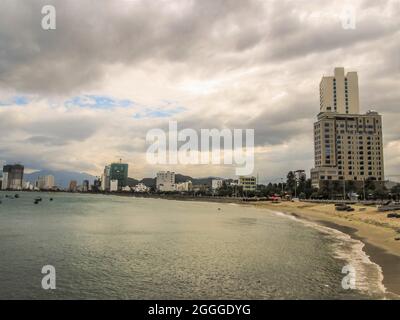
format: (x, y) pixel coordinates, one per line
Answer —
(369, 275)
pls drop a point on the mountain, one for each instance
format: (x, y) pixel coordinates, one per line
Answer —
(62, 178)
(149, 182)
(132, 182)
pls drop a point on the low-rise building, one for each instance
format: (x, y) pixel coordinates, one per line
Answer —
(300, 175)
(113, 185)
(217, 184)
(249, 184)
(141, 188)
(165, 181)
(184, 186)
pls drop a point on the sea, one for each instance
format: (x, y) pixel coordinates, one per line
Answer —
(116, 247)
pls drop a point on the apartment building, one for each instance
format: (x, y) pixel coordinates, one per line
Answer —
(348, 145)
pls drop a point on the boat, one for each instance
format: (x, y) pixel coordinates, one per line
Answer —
(344, 207)
(389, 207)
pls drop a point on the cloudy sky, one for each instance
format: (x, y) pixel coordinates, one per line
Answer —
(86, 94)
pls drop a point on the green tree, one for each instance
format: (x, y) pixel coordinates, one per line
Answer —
(291, 182)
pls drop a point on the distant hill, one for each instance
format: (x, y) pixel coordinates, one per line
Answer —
(62, 178)
(132, 182)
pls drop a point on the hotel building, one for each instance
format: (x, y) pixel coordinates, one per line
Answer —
(348, 145)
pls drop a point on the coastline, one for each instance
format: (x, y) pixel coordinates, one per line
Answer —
(378, 239)
(373, 229)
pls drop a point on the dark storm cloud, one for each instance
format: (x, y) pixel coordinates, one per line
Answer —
(91, 36)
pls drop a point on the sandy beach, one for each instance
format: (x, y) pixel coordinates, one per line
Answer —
(373, 228)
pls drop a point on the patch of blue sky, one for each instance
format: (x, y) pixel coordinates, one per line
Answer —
(98, 101)
(16, 100)
(159, 112)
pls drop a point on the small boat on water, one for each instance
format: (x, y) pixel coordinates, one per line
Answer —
(38, 199)
(16, 196)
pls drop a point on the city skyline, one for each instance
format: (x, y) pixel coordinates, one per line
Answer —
(197, 67)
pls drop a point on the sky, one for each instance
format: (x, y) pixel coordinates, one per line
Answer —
(86, 94)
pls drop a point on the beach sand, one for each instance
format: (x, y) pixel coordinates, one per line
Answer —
(373, 228)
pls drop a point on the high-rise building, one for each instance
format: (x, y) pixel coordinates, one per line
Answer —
(348, 145)
(119, 171)
(165, 181)
(12, 177)
(105, 179)
(85, 185)
(73, 186)
(339, 93)
(45, 182)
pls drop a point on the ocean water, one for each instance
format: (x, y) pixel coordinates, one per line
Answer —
(109, 247)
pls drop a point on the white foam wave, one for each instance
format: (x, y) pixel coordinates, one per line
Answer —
(369, 275)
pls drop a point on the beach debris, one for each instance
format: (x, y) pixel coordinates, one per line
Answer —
(393, 215)
(397, 238)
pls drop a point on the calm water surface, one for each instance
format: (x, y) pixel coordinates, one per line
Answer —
(107, 247)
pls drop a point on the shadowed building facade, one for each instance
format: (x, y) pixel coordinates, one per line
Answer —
(12, 177)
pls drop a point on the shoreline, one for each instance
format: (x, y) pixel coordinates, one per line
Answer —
(373, 229)
(378, 240)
